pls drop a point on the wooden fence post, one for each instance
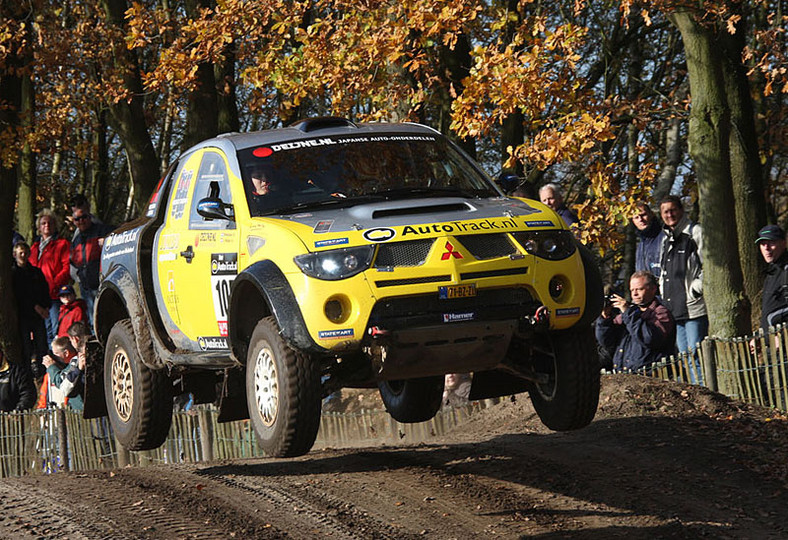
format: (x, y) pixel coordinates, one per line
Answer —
(62, 437)
(124, 457)
(206, 435)
(709, 354)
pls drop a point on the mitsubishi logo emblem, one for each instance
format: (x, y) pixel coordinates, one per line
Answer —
(450, 253)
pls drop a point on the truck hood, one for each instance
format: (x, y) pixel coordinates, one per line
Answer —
(419, 218)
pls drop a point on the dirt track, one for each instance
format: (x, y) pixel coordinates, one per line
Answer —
(661, 460)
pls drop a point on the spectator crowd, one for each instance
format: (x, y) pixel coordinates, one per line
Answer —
(55, 283)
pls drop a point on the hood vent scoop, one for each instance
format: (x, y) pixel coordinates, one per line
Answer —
(416, 210)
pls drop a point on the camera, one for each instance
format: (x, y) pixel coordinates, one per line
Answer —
(610, 297)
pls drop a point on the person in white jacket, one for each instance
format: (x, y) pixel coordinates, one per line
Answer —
(681, 279)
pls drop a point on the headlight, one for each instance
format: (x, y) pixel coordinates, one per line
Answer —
(552, 245)
(336, 263)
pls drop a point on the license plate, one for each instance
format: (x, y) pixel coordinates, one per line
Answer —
(457, 291)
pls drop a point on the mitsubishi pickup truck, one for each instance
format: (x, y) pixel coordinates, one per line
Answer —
(273, 268)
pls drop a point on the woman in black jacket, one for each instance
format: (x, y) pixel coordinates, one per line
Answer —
(17, 390)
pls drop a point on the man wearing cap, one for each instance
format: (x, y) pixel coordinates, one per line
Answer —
(72, 309)
(771, 241)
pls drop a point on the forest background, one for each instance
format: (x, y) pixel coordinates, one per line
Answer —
(616, 101)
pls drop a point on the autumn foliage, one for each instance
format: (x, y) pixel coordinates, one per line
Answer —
(595, 86)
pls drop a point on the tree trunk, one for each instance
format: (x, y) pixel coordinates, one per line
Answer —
(165, 139)
(127, 117)
(513, 126)
(11, 90)
(202, 114)
(674, 152)
(227, 103)
(26, 209)
(513, 135)
(99, 168)
(457, 64)
(745, 166)
(709, 130)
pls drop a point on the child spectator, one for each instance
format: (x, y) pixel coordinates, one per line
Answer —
(62, 354)
(72, 309)
(70, 380)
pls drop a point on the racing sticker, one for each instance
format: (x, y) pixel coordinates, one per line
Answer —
(181, 194)
(331, 242)
(451, 227)
(224, 269)
(212, 343)
(539, 224)
(336, 334)
(121, 243)
(380, 234)
(266, 151)
(566, 312)
(458, 317)
(323, 226)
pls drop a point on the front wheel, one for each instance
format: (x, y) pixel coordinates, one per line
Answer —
(139, 399)
(412, 400)
(567, 392)
(283, 392)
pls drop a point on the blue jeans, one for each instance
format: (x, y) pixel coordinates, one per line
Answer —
(89, 296)
(689, 334)
(52, 321)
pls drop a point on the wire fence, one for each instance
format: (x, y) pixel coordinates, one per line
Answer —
(751, 369)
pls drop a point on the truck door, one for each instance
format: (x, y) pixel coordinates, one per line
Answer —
(198, 257)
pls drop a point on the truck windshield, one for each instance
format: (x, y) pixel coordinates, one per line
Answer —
(343, 171)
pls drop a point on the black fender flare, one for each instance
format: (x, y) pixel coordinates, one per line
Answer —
(595, 293)
(120, 297)
(259, 291)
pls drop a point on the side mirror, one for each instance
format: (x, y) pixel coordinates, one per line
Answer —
(215, 208)
(508, 182)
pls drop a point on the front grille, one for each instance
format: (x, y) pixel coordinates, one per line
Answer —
(411, 253)
(412, 281)
(487, 246)
(428, 309)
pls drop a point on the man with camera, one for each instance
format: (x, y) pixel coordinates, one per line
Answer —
(771, 242)
(641, 332)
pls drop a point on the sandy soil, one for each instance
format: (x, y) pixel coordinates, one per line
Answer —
(661, 460)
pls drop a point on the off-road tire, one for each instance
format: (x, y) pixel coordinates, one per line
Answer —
(412, 400)
(139, 399)
(283, 393)
(569, 399)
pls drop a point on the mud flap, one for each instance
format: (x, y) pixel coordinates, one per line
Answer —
(232, 400)
(494, 383)
(95, 401)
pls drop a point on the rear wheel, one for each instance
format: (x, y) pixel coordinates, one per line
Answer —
(412, 400)
(139, 399)
(283, 393)
(567, 392)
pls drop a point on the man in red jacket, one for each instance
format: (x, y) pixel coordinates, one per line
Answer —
(72, 309)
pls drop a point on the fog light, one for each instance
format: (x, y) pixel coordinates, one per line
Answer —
(334, 310)
(337, 309)
(556, 287)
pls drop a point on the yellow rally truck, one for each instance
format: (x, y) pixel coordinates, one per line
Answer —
(273, 268)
